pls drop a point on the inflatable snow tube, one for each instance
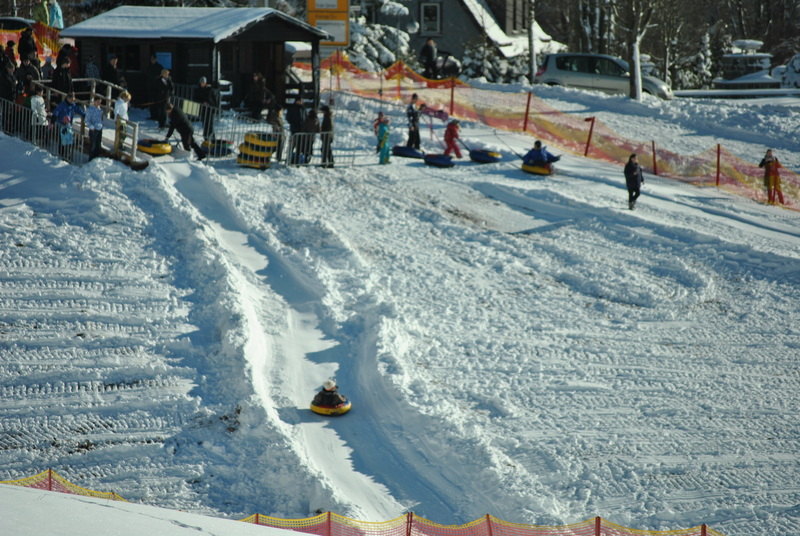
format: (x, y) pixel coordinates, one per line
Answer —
(261, 139)
(253, 151)
(439, 160)
(332, 411)
(546, 169)
(407, 152)
(154, 147)
(482, 156)
(249, 161)
(217, 147)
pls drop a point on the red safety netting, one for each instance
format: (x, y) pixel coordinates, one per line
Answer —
(524, 112)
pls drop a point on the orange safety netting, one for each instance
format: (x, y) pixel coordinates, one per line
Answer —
(51, 481)
(524, 112)
(330, 524)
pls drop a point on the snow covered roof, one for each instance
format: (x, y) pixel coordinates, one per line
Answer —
(140, 22)
(510, 47)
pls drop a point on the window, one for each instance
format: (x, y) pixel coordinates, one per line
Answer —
(431, 17)
(608, 67)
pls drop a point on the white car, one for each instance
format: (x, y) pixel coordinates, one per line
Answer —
(595, 71)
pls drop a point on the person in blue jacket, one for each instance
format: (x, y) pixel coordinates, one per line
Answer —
(539, 156)
(67, 108)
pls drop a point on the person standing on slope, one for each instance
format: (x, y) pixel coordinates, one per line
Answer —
(413, 123)
(633, 180)
(772, 178)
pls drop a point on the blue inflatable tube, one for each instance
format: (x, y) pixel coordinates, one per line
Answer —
(482, 156)
(439, 160)
(407, 152)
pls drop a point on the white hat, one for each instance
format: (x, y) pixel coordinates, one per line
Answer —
(329, 385)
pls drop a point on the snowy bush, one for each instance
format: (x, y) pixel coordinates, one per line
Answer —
(481, 61)
(375, 46)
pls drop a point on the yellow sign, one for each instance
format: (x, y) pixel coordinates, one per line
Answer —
(336, 24)
(329, 5)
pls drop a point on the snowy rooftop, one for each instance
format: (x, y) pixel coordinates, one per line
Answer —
(139, 22)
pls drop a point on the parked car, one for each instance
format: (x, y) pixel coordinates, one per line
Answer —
(15, 24)
(595, 71)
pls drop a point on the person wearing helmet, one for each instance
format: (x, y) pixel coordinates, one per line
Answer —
(329, 395)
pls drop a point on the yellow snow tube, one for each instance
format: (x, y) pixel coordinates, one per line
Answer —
(546, 169)
(255, 152)
(261, 139)
(257, 163)
(332, 411)
(154, 147)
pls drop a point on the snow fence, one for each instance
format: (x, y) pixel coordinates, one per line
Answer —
(587, 136)
(330, 524)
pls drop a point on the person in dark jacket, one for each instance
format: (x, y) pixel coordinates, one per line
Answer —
(208, 97)
(412, 112)
(427, 58)
(329, 395)
(27, 73)
(326, 135)
(62, 77)
(311, 128)
(180, 123)
(110, 73)
(151, 76)
(633, 180)
(258, 96)
(27, 45)
(164, 89)
(8, 84)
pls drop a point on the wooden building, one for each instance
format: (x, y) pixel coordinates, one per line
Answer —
(219, 43)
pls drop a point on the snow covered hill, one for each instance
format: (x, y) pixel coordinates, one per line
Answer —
(520, 346)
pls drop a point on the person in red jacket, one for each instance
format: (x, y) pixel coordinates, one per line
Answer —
(451, 137)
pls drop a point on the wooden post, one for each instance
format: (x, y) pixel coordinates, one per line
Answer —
(409, 523)
(49, 480)
(655, 161)
(719, 151)
(703, 530)
(527, 111)
(598, 522)
(489, 524)
(589, 140)
(452, 94)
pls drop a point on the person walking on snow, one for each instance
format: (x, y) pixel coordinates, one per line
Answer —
(633, 180)
(383, 141)
(772, 177)
(451, 138)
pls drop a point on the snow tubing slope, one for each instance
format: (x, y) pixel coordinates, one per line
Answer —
(407, 152)
(439, 160)
(482, 156)
(546, 169)
(153, 147)
(332, 411)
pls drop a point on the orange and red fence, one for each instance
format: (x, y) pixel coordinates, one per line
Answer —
(588, 136)
(330, 524)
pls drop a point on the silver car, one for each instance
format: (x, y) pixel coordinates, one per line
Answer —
(595, 71)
